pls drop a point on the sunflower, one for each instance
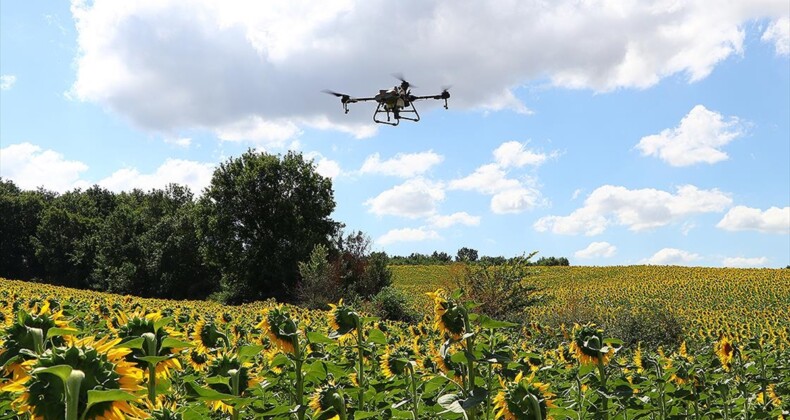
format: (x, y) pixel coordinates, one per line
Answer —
(223, 366)
(29, 333)
(104, 367)
(207, 337)
(198, 360)
(328, 402)
(725, 350)
(449, 316)
(280, 328)
(516, 400)
(133, 327)
(342, 319)
(639, 362)
(587, 345)
(395, 362)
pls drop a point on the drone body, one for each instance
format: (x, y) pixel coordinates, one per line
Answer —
(396, 103)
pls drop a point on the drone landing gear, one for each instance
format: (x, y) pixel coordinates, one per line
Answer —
(398, 114)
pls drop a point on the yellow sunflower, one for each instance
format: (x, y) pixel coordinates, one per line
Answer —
(280, 328)
(725, 350)
(449, 316)
(522, 399)
(341, 318)
(328, 402)
(588, 347)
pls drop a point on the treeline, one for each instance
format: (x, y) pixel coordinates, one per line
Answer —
(470, 255)
(242, 240)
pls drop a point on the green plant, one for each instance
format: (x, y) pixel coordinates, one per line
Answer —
(392, 304)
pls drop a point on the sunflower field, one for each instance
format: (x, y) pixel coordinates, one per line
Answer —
(73, 354)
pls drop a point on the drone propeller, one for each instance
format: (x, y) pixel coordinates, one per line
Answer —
(403, 83)
(343, 97)
(446, 91)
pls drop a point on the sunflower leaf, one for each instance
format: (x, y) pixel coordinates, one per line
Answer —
(162, 322)
(54, 332)
(99, 396)
(136, 343)
(169, 343)
(61, 371)
(376, 336)
(316, 337)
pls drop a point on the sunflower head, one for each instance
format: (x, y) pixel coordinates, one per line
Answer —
(449, 316)
(103, 367)
(280, 328)
(522, 399)
(328, 402)
(588, 346)
(725, 350)
(342, 318)
(29, 332)
(394, 362)
(198, 360)
(208, 337)
(226, 365)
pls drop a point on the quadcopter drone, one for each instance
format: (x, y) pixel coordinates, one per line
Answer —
(397, 101)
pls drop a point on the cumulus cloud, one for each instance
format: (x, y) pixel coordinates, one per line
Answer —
(698, 139)
(743, 262)
(515, 154)
(407, 235)
(458, 218)
(778, 32)
(414, 198)
(773, 220)
(508, 195)
(597, 250)
(29, 166)
(167, 65)
(195, 175)
(404, 165)
(7, 81)
(672, 256)
(639, 210)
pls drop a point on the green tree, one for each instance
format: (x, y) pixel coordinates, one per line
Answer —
(466, 254)
(261, 215)
(21, 214)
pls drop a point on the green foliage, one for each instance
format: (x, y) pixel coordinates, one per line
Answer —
(21, 212)
(466, 255)
(501, 291)
(394, 305)
(319, 286)
(260, 216)
(651, 325)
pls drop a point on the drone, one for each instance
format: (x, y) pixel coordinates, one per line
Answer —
(396, 103)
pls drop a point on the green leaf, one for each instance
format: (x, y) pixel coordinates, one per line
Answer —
(61, 371)
(169, 343)
(208, 394)
(376, 336)
(280, 409)
(100, 396)
(316, 337)
(249, 352)
(136, 343)
(359, 415)
(155, 359)
(55, 332)
(162, 322)
(451, 403)
(367, 319)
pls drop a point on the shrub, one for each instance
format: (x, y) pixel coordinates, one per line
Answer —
(500, 290)
(393, 304)
(652, 325)
(319, 285)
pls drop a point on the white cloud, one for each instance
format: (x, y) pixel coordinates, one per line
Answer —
(414, 198)
(328, 168)
(698, 139)
(184, 142)
(639, 210)
(459, 218)
(779, 33)
(29, 167)
(404, 165)
(745, 262)
(515, 154)
(515, 200)
(487, 179)
(195, 175)
(259, 131)
(597, 250)
(773, 220)
(7, 81)
(407, 235)
(672, 256)
(168, 65)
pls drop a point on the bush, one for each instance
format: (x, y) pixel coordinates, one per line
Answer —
(393, 304)
(320, 285)
(500, 290)
(653, 326)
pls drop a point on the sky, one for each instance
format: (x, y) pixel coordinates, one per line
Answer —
(609, 132)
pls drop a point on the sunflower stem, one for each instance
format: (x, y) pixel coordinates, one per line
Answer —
(602, 373)
(234, 382)
(414, 400)
(470, 345)
(299, 382)
(72, 389)
(535, 404)
(150, 348)
(361, 371)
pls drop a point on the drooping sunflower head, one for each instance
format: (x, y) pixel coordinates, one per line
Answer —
(342, 318)
(522, 399)
(281, 329)
(588, 346)
(29, 331)
(394, 362)
(449, 316)
(208, 337)
(328, 402)
(725, 350)
(225, 365)
(104, 368)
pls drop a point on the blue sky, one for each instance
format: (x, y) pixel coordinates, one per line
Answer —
(611, 133)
